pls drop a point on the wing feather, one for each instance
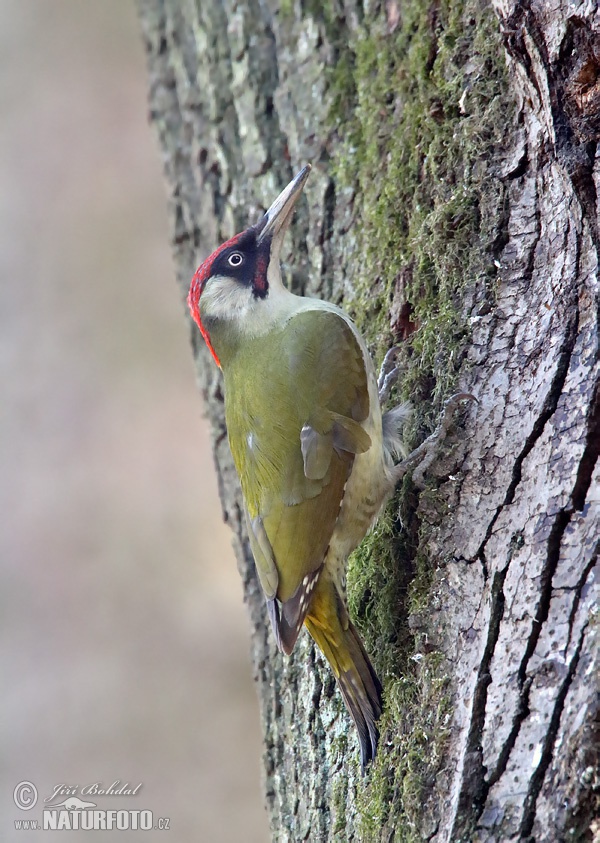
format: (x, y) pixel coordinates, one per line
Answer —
(295, 404)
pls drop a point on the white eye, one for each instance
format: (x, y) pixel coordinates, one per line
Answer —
(235, 259)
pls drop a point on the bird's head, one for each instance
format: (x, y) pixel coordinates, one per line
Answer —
(240, 280)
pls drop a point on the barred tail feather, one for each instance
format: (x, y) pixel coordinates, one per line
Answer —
(358, 682)
(287, 618)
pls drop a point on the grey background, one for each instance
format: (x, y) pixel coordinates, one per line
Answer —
(124, 652)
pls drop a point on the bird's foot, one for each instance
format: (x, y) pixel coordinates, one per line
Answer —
(388, 374)
(422, 457)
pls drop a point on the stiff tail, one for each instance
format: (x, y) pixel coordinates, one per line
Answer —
(339, 642)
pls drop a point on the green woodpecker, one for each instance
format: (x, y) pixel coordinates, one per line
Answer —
(313, 452)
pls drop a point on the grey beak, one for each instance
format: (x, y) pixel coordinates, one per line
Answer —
(280, 213)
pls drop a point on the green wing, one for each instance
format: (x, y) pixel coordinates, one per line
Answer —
(294, 405)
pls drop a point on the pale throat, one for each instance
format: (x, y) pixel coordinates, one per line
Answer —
(232, 314)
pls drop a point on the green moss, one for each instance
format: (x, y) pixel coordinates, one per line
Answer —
(389, 579)
(427, 120)
(422, 111)
(340, 800)
(411, 751)
(379, 574)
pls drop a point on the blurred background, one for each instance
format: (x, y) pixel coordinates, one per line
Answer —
(125, 646)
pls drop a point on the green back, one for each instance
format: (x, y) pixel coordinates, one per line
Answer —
(309, 372)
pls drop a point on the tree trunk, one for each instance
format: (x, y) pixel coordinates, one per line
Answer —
(451, 208)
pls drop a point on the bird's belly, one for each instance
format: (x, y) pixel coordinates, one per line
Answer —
(366, 492)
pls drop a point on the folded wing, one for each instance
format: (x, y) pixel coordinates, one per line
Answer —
(294, 431)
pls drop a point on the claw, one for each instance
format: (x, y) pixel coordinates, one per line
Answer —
(388, 374)
(455, 400)
(423, 456)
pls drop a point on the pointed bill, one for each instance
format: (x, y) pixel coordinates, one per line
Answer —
(279, 214)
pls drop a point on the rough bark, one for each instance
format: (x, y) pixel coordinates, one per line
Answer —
(452, 206)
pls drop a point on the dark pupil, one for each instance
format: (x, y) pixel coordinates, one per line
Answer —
(235, 260)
